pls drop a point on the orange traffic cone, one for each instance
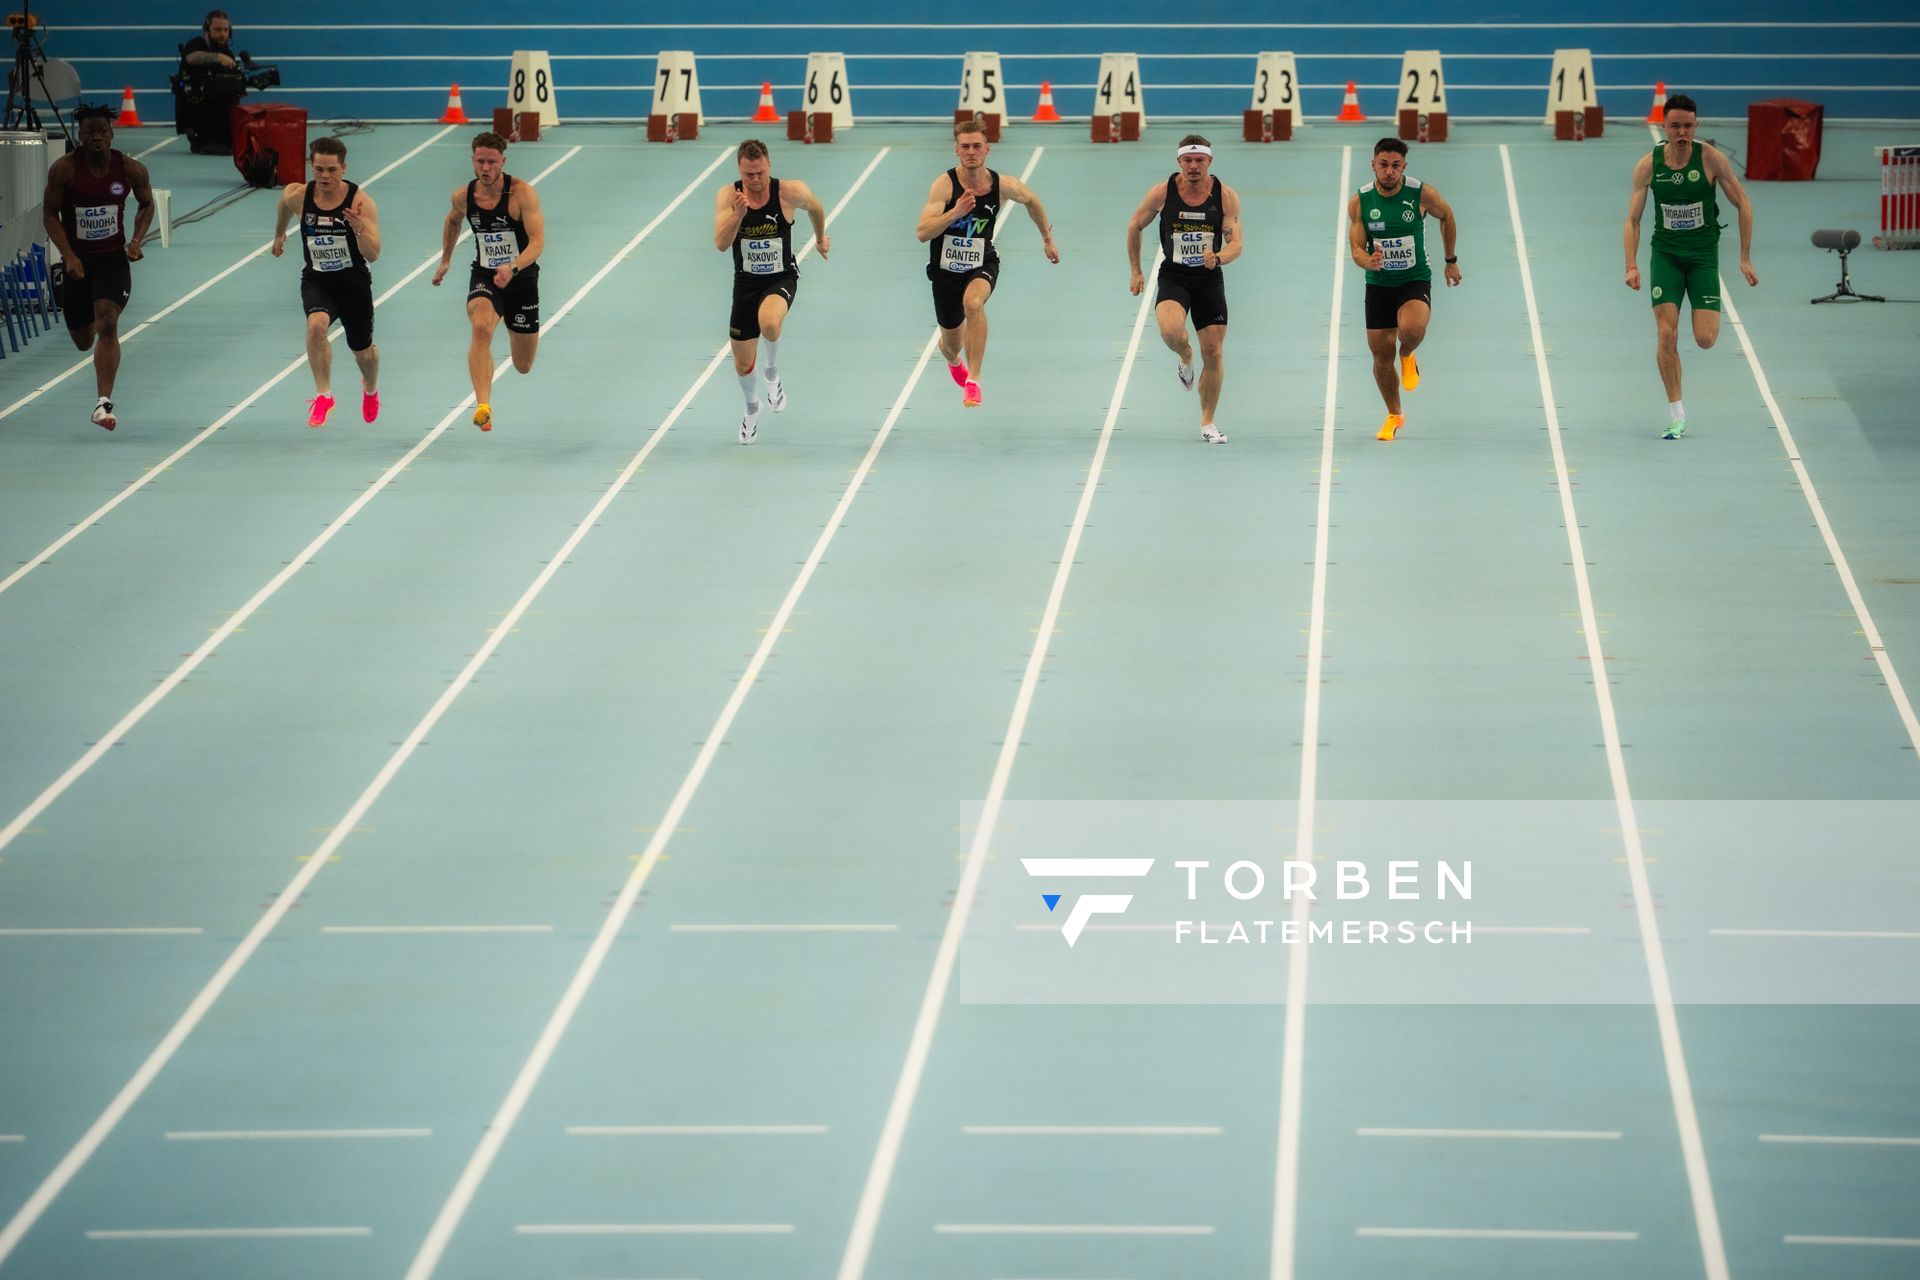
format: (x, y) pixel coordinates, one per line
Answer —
(455, 113)
(1350, 109)
(1046, 114)
(129, 118)
(766, 114)
(1659, 111)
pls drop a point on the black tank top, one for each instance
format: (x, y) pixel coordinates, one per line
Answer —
(763, 246)
(1186, 230)
(95, 214)
(967, 242)
(327, 241)
(498, 236)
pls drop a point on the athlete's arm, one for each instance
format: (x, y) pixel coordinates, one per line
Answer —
(450, 232)
(1431, 202)
(283, 214)
(1149, 210)
(936, 215)
(1722, 173)
(1232, 238)
(802, 197)
(143, 196)
(1021, 193)
(1359, 243)
(364, 221)
(536, 224)
(54, 200)
(729, 207)
(1642, 179)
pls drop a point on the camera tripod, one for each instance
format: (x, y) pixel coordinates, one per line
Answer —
(29, 67)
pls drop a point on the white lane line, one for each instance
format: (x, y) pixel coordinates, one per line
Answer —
(155, 932)
(13, 1137)
(1527, 929)
(1293, 1053)
(155, 471)
(436, 928)
(1840, 1140)
(1592, 1135)
(158, 316)
(63, 1173)
(290, 1135)
(1873, 1242)
(1876, 644)
(1476, 1233)
(692, 1130)
(233, 1233)
(654, 1229)
(783, 928)
(886, 1155)
(166, 141)
(468, 1183)
(1098, 928)
(1096, 1130)
(1812, 933)
(1067, 1228)
(1693, 1149)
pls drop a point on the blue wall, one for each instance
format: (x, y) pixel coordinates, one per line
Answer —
(395, 60)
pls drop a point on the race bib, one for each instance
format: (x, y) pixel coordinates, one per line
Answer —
(1190, 247)
(1396, 253)
(97, 222)
(1683, 217)
(763, 257)
(329, 253)
(962, 253)
(497, 248)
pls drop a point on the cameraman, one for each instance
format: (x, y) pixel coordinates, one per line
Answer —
(209, 84)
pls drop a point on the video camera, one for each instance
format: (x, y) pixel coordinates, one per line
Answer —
(219, 83)
(258, 75)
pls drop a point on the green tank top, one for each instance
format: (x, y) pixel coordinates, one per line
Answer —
(1397, 228)
(1686, 214)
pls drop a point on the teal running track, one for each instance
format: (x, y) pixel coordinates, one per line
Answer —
(591, 850)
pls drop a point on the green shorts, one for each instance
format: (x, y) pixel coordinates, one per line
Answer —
(1692, 273)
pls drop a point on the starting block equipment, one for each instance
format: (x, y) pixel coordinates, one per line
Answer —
(1276, 88)
(516, 126)
(983, 89)
(1266, 126)
(683, 127)
(1117, 90)
(676, 86)
(530, 86)
(1422, 116)
(1122, 126)
(1570, 87)
(809, 126)
(1578, 126)
(827, 90)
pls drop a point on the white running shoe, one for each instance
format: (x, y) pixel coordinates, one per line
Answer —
(776, 396)
(1186, 376)
(103, 415)
(749, 428)
(1212, 434)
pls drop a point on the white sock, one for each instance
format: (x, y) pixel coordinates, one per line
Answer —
(750, 391)
(1678, 410)
(770, 358)
(102, 400)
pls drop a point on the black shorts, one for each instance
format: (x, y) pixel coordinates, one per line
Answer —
(950, 291)
(345, 296)
(1202, 293)
(748, 293)
(109, 277)
(1383, 301)
(518, 304)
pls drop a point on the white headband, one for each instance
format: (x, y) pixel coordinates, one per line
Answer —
(1194, 149)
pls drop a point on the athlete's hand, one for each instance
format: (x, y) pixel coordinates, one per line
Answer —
(134, 251)
(73, 268)
(1135, 283)
(1375, 259)
(1746, 269)
(1047, 247)
(1633, 278)
(739, 203)
(355, 223)
(1209, 259)
(821, 242)
(280, 245)
(964, 205)
(441, 274)
(1453, 275)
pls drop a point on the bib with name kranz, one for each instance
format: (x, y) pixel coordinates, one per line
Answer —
(97, 222)
(763, 257)
(1683, 217)
(962, 253)
(497, 248)
(1396, 253)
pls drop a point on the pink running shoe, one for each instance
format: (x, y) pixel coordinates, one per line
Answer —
(958, 373)
(369, 405)
(322, 406)
(970, 397)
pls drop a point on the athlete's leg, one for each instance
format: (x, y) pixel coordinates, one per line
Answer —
(1666, 321)
(744, 350)
(1386, 374)
(773, 314)
(974, 304)
(523, 346)
(1172, 318)
(1213, 369)
(320, 352)
(1706, 330)
(951, 341)
(485, 320)
(369, 362)
(1412, 321)
(106, 351)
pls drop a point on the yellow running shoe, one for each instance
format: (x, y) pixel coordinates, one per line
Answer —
(1409, 373)
(1391, 426)
(483, 417)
